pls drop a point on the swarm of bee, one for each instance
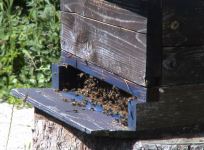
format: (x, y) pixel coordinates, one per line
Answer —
(113, 100)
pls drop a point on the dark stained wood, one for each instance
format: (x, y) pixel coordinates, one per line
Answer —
(125, 13)
(96, 71)
(178, 106)
(182, 65)
(183, 23)
(115, 49)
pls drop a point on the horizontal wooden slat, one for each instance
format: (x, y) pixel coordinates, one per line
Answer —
(115, 49)
(182, 65)
(126, 13)
(183, 22)
(178, 106)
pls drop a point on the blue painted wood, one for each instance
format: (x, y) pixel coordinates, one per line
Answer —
(132, 116)
(85, 120)
(58, 76)
(109, 77)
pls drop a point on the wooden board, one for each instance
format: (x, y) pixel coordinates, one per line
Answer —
(183, 23)
(182, 65)
(177, 106)
(127, 14)
(115, 49)
(90, 122)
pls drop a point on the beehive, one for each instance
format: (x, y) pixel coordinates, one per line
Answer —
(153, 50)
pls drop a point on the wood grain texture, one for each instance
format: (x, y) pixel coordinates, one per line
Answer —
(182, 65)
(115, 49)
(178, 106)
(183, 23)
(125, 13)
(50, 133)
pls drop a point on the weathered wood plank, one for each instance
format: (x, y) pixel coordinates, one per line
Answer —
(177, 106)
(183, 23)
(115, 49)
(182, 65)
(127, 13)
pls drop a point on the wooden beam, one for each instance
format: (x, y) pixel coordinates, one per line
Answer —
(127, 14)
(177, 106)
(115, 49)
(182, 65)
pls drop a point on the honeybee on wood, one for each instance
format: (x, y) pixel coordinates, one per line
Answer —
(104, 111)
(73, 89)
(100, 103)
(115, 113)
(92, 109)
(69, 56)
(25, 97)
(78, 104)
(103, 78)
(116, 119)
(84, 59)
(72, 99)
(75, 110)
(109, 114)
(161, 90)
(76, 94)
(64, 99)
(56, 90)
(83, 104)
(122, 116)
(91, 100)
(85, 101)
(65, 90)
(123, 122)
(55, 73)
(73, 104)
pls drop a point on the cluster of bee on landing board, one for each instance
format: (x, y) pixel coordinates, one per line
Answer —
(113, 101)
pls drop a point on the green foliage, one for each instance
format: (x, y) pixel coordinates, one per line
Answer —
(29, 44)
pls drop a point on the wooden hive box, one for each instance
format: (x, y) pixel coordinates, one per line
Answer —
(151, 49)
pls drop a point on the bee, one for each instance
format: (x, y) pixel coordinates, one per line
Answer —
(69, 56)
(116, 119)
(78, 103)
(85, 101)
(83, 104)
(92, 109)
(91, 76)
(161, 90)
(64, 99)
(43, 35)
(109, 114)
(56, 90)
(76, 94)
(81, 75)
(55, 73)
(75, 110)
(73, 104)
(93, 103)
(86, 94)
(84, 59)
(72, 99)
(99, 103)
(123, 122)
(103, 78)
(65, 90)
(25, 97)
(73, 89)
(122, 116)
(91, 100)
(104, 111)
(115, 113)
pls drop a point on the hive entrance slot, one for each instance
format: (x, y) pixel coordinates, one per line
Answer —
(97, 93)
